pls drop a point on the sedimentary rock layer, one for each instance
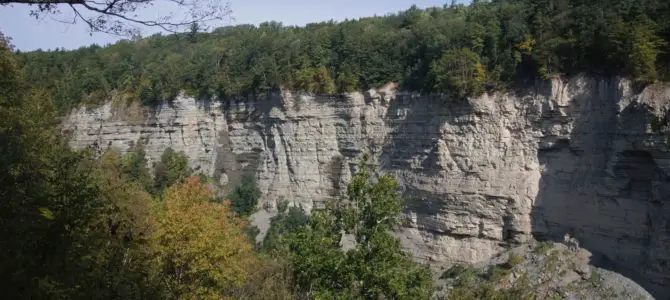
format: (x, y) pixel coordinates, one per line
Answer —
(577, 156)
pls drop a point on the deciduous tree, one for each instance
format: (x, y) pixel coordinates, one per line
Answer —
(377, 267)
(201, 246)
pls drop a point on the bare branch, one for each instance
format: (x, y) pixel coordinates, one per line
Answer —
(117, 16)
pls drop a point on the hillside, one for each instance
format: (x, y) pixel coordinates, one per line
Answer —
(346, 160)
(458, 50)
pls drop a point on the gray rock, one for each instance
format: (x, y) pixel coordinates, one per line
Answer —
(481, 175)
(554, 273)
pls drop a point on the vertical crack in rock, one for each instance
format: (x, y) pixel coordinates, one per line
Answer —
(569, 155)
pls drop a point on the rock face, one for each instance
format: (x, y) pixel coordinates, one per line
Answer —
(548, 270)
(576, 156)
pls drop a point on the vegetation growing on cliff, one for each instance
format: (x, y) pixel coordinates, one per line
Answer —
(76, 227)
(374, 267)
(172, 167)
(244, 196)
(460, 50)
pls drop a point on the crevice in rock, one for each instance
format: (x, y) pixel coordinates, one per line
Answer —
(181, 127)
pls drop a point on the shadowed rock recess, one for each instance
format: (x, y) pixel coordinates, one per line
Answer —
(575, 155)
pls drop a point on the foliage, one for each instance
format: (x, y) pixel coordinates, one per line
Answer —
(272, 280)
(456, 49)
(82, 228)
(458, 271)
(377, 267)
(205, 179)
(135, 167)
(470, 284)
(645, 48)
(65, 218)
(172, 167)
(656, 123)
(459, 72)
(244, 196)
(287, 221)
(201, 246)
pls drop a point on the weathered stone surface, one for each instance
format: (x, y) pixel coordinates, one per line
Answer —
(549, 270)
(481, 175)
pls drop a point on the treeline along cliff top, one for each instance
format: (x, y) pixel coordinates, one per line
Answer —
(458, 50)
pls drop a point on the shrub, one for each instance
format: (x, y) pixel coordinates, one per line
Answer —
(135, 167)
(543, 248)
(172, 167)
(288, 220)
(244, 197)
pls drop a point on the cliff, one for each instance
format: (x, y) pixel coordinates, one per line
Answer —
(576, 156)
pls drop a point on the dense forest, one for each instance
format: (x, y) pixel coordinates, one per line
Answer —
(459, 50)
(76, 225)
(81, 225)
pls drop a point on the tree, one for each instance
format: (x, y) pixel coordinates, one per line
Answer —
(457, 50)
(122, 256)
(244, 196)
(172, 167)
(68, 222)
(135, 166)
(287, 221)
(201, 247)
(118, 16)
(459, 73)
(644, 50)
(192, 35)
(377, 267)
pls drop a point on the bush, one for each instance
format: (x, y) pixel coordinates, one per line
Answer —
(245, 195)
(655, 124)
(172, 167)
(457, 271)
(135, 167)
(289, 220)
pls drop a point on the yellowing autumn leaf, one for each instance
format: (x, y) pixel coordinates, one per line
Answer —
(201, 245)
(47, 214)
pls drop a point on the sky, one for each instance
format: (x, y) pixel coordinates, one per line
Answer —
(29, 33)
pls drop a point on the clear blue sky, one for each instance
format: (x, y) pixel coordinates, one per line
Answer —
(27, 33)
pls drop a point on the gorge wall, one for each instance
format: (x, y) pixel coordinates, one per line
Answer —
(576, 156)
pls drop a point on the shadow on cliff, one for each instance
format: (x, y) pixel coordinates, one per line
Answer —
(253, 113)
(416, 122)
(601, 186)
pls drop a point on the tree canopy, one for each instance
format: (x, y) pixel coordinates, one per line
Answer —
(459, 50)
(201, 245)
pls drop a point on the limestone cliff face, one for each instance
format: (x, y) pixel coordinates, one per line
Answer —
(575, 156)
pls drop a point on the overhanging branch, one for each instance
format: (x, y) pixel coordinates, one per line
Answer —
(124, 11)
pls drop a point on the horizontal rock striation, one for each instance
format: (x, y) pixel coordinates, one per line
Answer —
(577, 156)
